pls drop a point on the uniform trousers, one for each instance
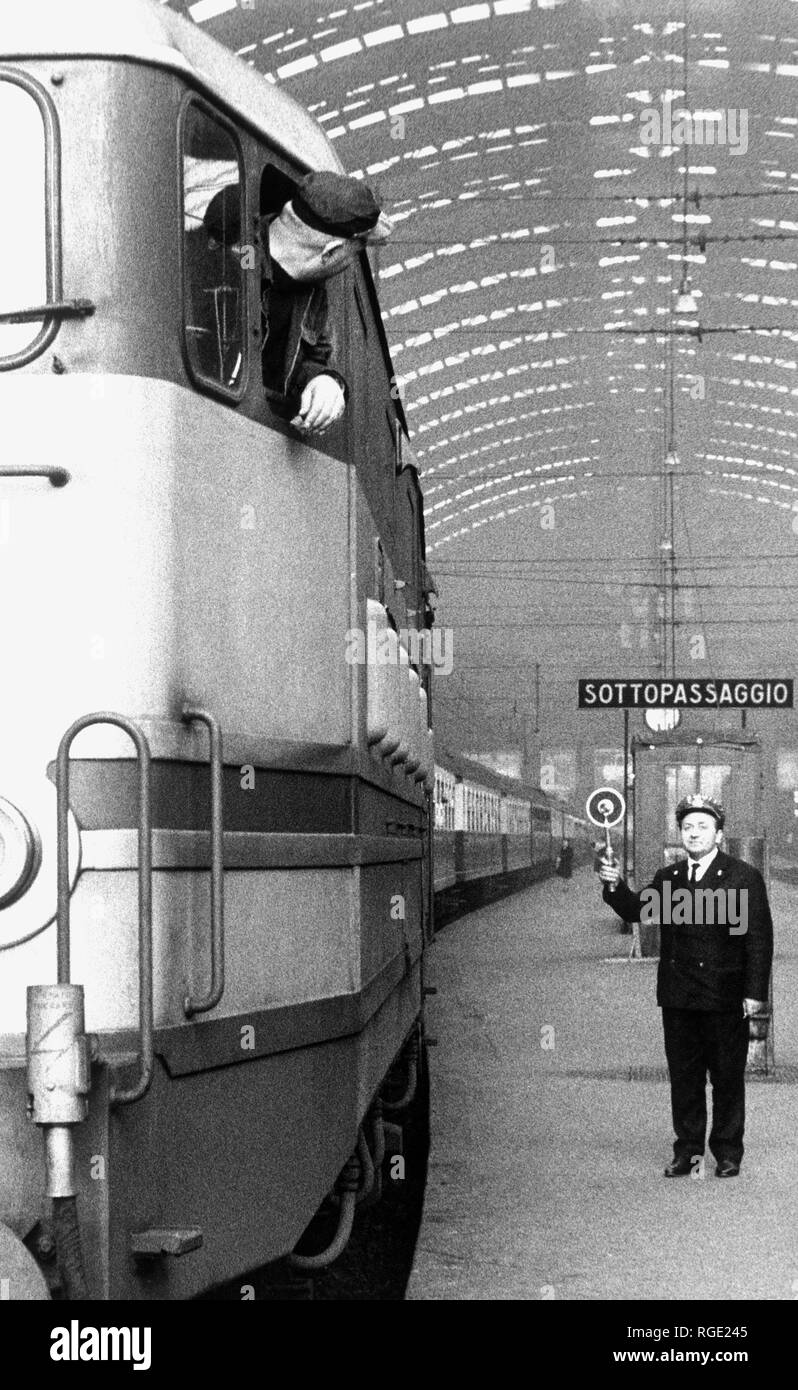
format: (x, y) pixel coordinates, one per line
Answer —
(698, 1042)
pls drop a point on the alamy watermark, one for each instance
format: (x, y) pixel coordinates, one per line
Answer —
(381, 647)
(724, 907)
(671, 124)
(76, 1343)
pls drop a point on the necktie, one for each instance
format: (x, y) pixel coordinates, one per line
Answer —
(692, 873)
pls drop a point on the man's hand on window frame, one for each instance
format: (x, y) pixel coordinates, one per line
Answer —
(323, 403)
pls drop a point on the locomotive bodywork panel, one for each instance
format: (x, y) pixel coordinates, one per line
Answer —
(134, 578)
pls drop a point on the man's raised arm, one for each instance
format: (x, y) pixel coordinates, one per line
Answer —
(617, 893)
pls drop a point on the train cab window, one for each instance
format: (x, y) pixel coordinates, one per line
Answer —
(213, 258)
(24, 280)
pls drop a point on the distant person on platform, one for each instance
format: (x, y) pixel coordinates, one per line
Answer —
(565, 861)
(714, 972)
(316, 235)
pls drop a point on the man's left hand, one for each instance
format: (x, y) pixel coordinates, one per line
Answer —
(323, 402)
(752, 1007)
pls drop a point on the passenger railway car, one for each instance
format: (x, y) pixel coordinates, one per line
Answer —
(494, 835)
(211, 936)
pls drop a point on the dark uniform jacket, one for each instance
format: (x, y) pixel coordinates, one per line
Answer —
(705, 965)
(308, 345)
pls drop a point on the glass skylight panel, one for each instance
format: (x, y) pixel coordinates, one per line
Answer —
(468, 14)
(298, 65)
(426, 23)
(209, 9)
(389, 34)
(450, 94)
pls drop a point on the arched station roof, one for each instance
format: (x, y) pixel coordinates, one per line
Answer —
(548, 201)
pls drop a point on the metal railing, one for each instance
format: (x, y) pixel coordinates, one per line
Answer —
(119, 1095)
(211, 999)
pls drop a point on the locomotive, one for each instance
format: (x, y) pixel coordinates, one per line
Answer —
(215, 825)
(216, 805)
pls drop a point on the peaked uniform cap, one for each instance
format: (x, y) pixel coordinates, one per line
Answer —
(341, 206)
(335, 204)
(700, 803)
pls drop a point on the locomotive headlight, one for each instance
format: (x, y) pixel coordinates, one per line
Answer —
(20, 853)
(29, 854)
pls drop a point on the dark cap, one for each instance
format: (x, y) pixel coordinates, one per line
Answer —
(331, 203)
(700, 803)
(338, 204)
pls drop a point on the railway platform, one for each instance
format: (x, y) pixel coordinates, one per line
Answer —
(551, 1120)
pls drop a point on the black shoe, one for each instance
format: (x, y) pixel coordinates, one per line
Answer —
(680, 1167)
(727, 1169)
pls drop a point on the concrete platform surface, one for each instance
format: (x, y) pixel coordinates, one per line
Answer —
(545, 1176)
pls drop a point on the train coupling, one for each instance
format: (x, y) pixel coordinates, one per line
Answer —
(58, 1076)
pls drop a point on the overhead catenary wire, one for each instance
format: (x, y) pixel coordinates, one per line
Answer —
(646, 196)
(493, 241)
(608, 475)
(612, 622)
(689, 330)
(719, 585)
(709, 557)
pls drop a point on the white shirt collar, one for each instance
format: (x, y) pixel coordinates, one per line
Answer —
(703, 864)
